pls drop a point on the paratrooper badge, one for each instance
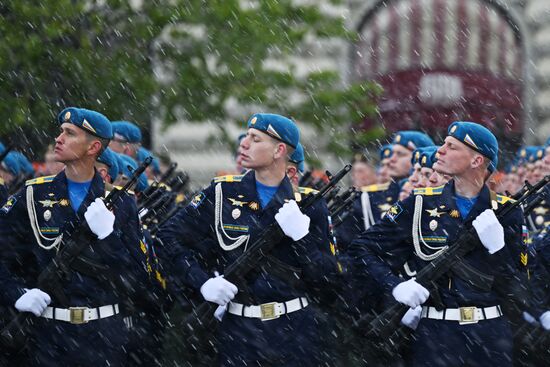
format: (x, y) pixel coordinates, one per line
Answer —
(253, 205)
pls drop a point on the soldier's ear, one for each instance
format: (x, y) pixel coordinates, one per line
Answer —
(280, 150)
(291, 171)
(477, 161)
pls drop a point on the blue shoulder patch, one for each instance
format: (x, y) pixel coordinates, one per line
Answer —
(197, 200)
(9, 204)
(394, 212)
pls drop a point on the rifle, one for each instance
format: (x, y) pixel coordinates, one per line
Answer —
(50, 278)
(386, 326)
(202, 320)
(168, 173)
(17, 185)
(340, 213)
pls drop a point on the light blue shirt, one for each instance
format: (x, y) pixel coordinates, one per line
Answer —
(77, 192)
(265, 193)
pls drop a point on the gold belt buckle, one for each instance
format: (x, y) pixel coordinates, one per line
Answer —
(467, 315)
(76, 315)
(267, 311)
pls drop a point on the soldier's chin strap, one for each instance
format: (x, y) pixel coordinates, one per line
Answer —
(31, 210)
(417, 233)
(368, 218)
(218, 223)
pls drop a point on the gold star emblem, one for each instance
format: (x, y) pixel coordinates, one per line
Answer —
(237, 202)
(48, 203)
(253, 205)
(434, 213)
(540, 210)
(454, 213)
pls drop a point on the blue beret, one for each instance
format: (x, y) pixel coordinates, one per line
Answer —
(428, 156)
(416, 156)
(91, 121)
(385, 151)
(298, 157)
(108, 157)
(11, 164)
(124, 161)
(128, 131)
(477, 137)
(530, 153)
(143, 153)
(412, 139)
(25, 166)
(276, 126)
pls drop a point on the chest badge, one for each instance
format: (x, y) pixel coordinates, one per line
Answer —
(254, 205)
(435, 213)
(48, 203)
(64, 202)
(235, 202)
(236, 213)
(433, 225)
(454, 213)
(540, 210)
(539, 220)
(47, 215)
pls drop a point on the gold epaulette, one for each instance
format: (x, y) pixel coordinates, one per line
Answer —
(376, 187)
(307, 190)
(228, 178)
(428, 191)
(501, 199)
(39, 180)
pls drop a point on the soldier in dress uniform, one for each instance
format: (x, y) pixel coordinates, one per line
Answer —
(382, 172)
(462, 322)
(80, 323)
(267, 318)
(126, 138)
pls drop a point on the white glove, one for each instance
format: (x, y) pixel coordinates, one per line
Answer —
(410, 293)
(99, 219)
(34, 300)
(489, 231)
(529, 318)
(220, 312)
(545, 320)
(412, 317)
(218, 290)
(292, 221)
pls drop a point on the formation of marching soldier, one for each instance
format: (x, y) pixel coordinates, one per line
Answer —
(431, 258)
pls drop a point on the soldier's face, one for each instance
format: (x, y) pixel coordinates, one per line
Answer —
(425, 174)
(384, 171)
(71, 144)
(400, 162)
(258, 150)
(362, 175)
(454, 157)
(414, 178)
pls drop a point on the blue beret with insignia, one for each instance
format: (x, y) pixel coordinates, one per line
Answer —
(11, 164)
(276, 126)
(477, 137)
(428, 156)
(412, 139)
(124, 161)
(143, 153)
(108, 157)
(416, 156)
(527, 154)
(385, 151)
(25, 166)
(127, 131)
(91, 121)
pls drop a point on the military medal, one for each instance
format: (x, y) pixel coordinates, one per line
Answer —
(433, 225)
(236, 213)
(47, 215)
(539, 220)
(253, 205)
(64, 202)
(434, 213)
(454, 213)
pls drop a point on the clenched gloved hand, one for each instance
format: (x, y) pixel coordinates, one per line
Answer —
(100, 219)
(410, 293)
(292, 221)
(489, 231)
(218, 290)
(34, 300)
(544, 320)
(412, 317)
